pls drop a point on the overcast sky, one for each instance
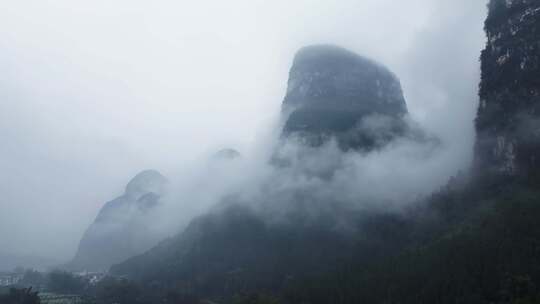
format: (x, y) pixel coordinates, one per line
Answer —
(92, 92)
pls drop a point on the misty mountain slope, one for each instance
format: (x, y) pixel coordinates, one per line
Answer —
(333, 92)
(478, 240)
(475, 241)
(508, 122)
(299, 223)
(475, 245)
(121, 228)
(341, 107)
(235, 250)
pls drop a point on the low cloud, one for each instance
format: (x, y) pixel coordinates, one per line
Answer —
(93, 93)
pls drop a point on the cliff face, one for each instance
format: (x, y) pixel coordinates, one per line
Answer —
(121, 229)
(332, 92)
(508, 125)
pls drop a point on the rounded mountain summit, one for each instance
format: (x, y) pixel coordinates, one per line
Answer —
(331, 91)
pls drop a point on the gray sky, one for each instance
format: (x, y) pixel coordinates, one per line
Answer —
(92, 92)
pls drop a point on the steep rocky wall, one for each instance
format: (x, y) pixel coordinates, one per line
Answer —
(332, 91)
(508, 122)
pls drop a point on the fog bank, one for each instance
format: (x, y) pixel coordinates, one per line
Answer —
(92, 93)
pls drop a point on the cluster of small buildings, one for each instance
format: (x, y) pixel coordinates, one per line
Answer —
(91, 277)
(10, 278)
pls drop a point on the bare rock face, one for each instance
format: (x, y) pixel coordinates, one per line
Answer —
(122, 228)
(332, 91)
(508, 121)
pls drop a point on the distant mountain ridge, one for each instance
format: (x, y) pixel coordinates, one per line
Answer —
(122, 228)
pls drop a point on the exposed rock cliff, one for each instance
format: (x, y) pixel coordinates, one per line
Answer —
(333, 92)
(508, 124)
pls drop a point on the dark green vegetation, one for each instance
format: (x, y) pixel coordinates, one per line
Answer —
(33, 278)
(64, 283)
(477, 245)
(112, 290)
(19, 296)
(473, 244)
